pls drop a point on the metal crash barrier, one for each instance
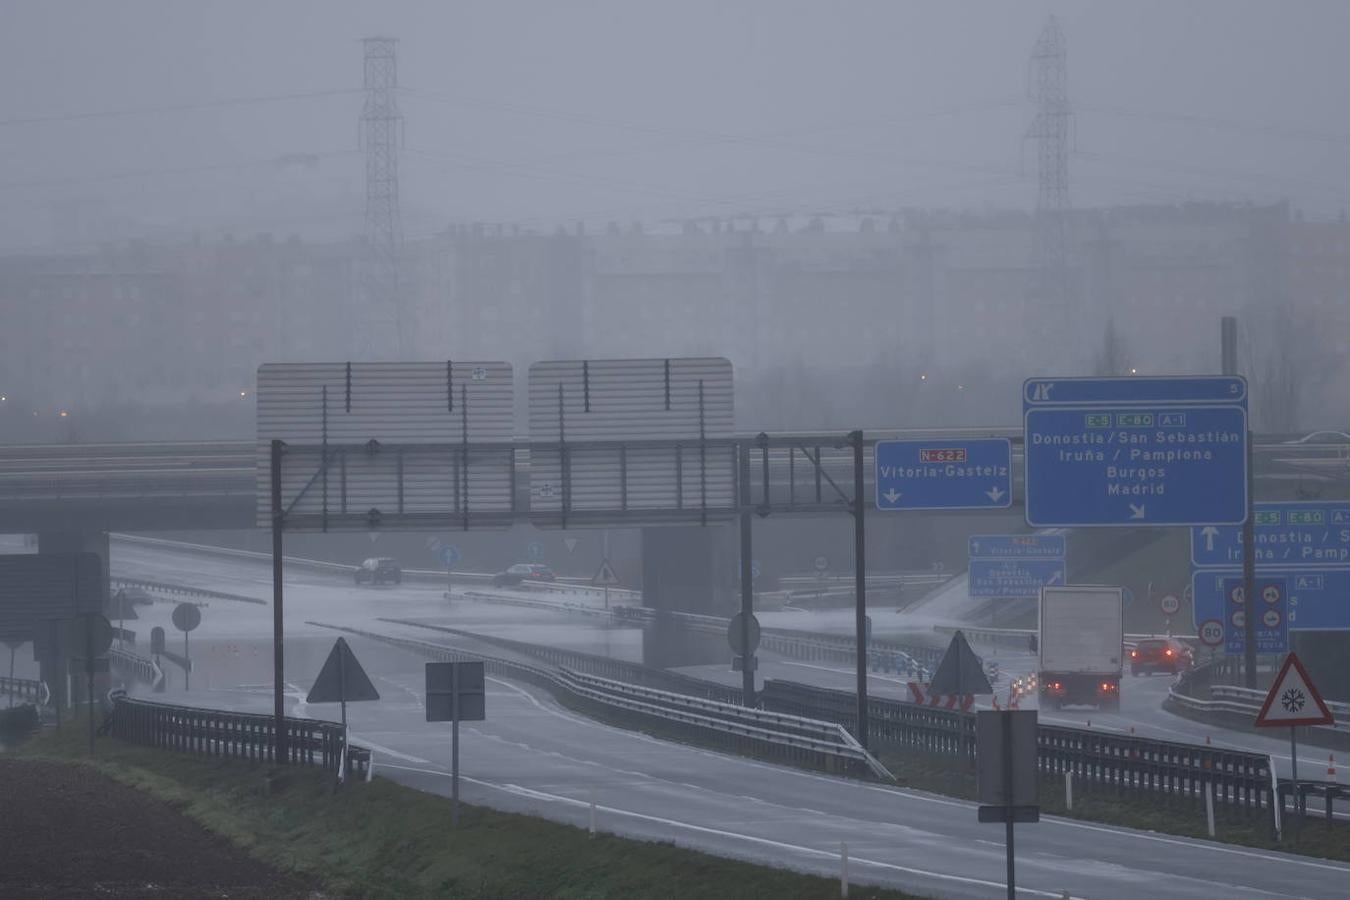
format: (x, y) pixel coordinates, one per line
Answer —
(1167, 769)
(717, 723)
(213, 732)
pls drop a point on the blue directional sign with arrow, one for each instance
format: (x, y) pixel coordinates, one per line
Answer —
(1017, 546)
(1294, 533)
(1012, 578)
(944, 474)
(1135, 451)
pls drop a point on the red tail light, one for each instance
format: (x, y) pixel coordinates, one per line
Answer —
(1108, 686)
(1134, 654)
(1168, 651)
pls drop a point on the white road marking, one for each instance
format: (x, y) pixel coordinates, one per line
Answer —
(718, 832)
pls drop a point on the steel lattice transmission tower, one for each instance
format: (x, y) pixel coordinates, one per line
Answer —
(381, 314)
(1050, 131)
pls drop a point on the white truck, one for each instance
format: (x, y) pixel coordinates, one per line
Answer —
(1081, 646)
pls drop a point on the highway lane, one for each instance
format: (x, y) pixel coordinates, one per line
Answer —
(533, 756)
(332, 597)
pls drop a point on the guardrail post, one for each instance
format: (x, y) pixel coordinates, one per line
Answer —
(843, 870)
(1209, 807)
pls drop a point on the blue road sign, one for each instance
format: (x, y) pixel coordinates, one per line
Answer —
(754, 570)
(1135, 451)
(1317, 599)
(965, 474)
(535, 551)
(1010, 578)
(450, 556)
(1017, 546)
(1293, 533)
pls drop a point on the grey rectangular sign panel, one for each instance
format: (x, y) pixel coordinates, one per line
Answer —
(445, 680)
(659, 441)
(39, 586)
(397, 439)
(991, 785)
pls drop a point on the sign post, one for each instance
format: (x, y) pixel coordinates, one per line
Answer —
(90, 637)
(455, 692)
(1006, 776)
(186, 616)
(605, 577)
(1293, 700)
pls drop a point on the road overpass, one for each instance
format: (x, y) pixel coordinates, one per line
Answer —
(82, 488)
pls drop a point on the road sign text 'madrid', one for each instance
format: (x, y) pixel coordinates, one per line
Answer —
(1121, 451)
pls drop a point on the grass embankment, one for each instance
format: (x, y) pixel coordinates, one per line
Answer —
(385, 840)
(1152, 812)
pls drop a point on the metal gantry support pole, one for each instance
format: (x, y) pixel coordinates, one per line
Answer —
(1228, 355)
(278, 651)
(747, 582)
(1249, 611)
(860, 581)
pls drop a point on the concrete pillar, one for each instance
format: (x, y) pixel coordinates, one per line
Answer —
(54, 661)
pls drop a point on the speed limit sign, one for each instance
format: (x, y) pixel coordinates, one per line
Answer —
(1170, 604)
(1211, 632)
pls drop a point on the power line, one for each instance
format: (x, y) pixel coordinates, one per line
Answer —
(1221, 124)
(173, 107)
(158, 173)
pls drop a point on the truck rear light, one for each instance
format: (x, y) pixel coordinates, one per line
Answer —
(1107, 687)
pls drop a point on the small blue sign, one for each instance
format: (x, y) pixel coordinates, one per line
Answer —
(1017, 546)
(1316, 600)
(1135, 451)
(535, 551)
(1012, 578)
(1292, 533)
(754, 570)
(944, 474)
(450, 556)
(1272, 611)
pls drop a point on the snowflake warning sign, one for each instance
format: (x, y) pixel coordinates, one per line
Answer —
(1293, 699)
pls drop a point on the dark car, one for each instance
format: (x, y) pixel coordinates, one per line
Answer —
(379, 570)
(523, 572)
(1160, 655)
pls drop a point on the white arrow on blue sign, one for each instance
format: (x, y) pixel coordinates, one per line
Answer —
(1135, 451)
(943, 474)
(1286, 533)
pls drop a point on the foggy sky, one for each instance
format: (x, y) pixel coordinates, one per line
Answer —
(545, 112)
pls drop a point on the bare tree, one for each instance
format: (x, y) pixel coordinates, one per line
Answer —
(1279, 372)
(1111, 356)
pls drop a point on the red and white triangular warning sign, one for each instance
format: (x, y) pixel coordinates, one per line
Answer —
(605, 575)
(1293, 699)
